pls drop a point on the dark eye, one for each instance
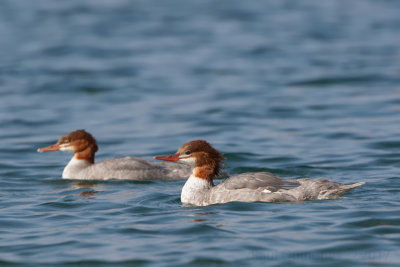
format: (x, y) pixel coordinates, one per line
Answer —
(188, 152)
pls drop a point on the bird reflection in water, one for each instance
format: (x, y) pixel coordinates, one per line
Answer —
(204, 217)
(90, 189)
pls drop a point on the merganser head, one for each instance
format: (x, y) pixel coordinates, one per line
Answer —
(79, 142)
(199, 155)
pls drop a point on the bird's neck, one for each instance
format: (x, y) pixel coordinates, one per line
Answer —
(86, 154)
(205, 173)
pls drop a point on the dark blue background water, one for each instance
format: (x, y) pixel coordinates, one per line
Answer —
(298, 88)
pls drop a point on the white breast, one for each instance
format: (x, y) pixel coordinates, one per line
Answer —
(194, 190)
(75, 169)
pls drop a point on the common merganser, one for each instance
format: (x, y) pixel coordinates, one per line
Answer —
(206, 161)
(82, 165)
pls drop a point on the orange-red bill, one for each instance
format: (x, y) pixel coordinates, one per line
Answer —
(54, 147)
(174, 157)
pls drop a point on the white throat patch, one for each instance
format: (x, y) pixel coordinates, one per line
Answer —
(191, 161)
(67, 148)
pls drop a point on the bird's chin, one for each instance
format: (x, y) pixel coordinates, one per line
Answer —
(188, 161)
(67, 148)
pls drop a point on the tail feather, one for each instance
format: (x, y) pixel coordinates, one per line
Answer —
(347, 187)
(339, 191)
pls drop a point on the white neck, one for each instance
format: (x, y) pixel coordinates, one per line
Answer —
(74, 168)
(195, 190)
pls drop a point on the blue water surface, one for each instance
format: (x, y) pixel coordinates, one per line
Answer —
(297, 88)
